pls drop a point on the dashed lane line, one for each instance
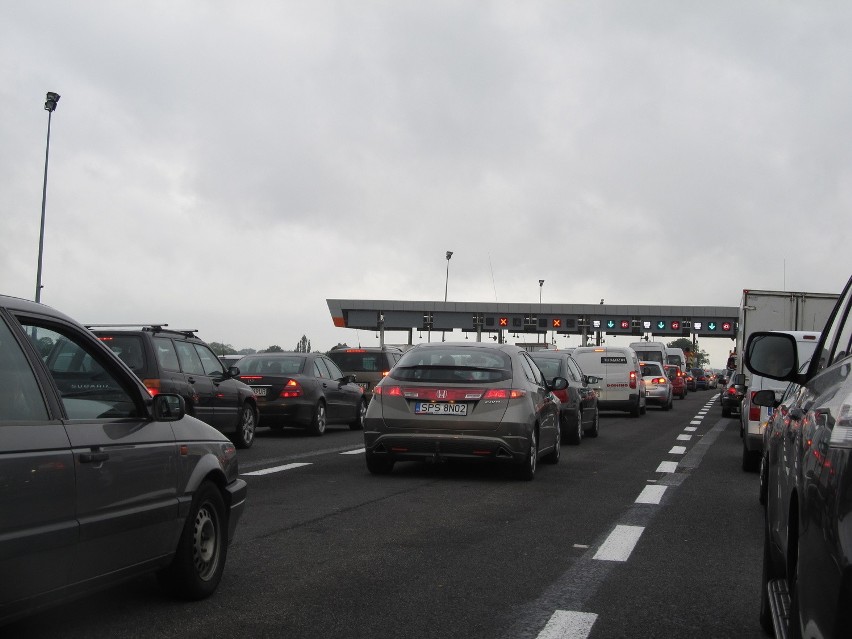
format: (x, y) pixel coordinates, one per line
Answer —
(276, 469)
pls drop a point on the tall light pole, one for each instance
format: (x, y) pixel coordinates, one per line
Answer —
(446, 285)
(49, 106)
(540, 288)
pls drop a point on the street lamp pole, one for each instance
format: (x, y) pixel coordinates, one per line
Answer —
(540, 288)
(446, 285)
(49, 106)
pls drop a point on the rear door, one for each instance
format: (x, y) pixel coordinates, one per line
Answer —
(202, 390)
(226, 394)
(38, 524)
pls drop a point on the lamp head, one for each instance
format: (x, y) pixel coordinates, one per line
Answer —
(541, 282)
(50, 101)
(449, 255)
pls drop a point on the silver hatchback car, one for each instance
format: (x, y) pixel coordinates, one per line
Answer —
(100, 481)
(464, 401)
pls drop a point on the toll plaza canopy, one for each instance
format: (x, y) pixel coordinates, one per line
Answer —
(495, 317)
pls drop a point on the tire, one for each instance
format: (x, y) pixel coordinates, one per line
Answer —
(763, 491)
(594, 429)
(358, 424)
(553, 456)
(635, 411)
(247, 424)
(319, 421)
(643, 408)
(377, 465)
(726, 412)
(199, 561)
(751, 459)
(575, 435)
(526, 469)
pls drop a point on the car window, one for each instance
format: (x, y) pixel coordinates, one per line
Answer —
(88, 385)
(20, 395)
(532, 371)
(467, 364)
(838, 341)
(548, 365)
(128, 348)
(574, 370)
(335, 372)
(190, 362)
(320, 369)
(166, 355)
(212, 365)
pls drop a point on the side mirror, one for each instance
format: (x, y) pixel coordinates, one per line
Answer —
(233, 371)
(765, 398)
(591, 379)
(772, 355)
(167, 407)
(558, 383)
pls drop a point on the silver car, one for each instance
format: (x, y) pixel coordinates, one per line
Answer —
(464, 401)
(99, 480)
(658, 386)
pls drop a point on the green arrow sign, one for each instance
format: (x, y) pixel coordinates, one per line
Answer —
(712, 326)
(661, 324)
(610, 324)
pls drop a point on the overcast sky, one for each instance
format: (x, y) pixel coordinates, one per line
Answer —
(227, 166)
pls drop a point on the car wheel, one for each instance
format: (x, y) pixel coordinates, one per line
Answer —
(553, 456)
(526, 470)
(358, 424)
(198, 564)
(643, 407)
(751, 459)
(764, 478)
(726, 412)
(320, 420)
(245, 427)
(378, 465)
(574, 435)
(592, 431)
(635, 411)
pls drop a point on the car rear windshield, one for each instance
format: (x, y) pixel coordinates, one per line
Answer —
(649, 370)
(259, 365)
(129, 349)
(360, 361)
(453, 365)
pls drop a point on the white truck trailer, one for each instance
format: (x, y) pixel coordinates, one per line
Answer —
(780, 311)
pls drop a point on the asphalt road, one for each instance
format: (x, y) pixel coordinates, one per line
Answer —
(628, 536)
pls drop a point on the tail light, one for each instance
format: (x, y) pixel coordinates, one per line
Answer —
(753, 411)
(658, 380)
(632, 379)
(390, 391)
(291, 389)
(504, 393)
(385, 373)
(153, 386)
(562, 395)
(732, 391)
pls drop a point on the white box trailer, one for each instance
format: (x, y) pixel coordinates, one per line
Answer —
(780, 311)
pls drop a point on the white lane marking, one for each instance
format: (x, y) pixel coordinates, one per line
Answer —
(620, 543)
(568, 624)
(677, 450)
(696, 422)
(691, 429)
(684, 438)
(667, 467)
(651, 495)
(276, 469)
(354, 452)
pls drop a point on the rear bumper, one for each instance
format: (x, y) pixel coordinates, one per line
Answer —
(440, 446)
(282, 413)
(619, 404)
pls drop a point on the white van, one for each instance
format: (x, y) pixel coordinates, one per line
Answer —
(650, 352)
(755, 418)
(676, 357)
(620, 385)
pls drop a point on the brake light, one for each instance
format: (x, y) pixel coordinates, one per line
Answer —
(385, 373)
(251, 378)
(658, 380)
(732, 391)
(355, 350)
(504, 393)
(153, 386)
(562, 395)
(390, 391)
(753, 411)
(291, 389)
(632, 379)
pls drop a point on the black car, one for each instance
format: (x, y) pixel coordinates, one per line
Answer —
(731, 398)
(369, 364)
(169, 361)
(100, 481)
(303, 389)
(700, 377)
(578, 409)
(807, 554)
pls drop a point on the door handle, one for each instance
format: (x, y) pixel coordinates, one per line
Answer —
(92, 458)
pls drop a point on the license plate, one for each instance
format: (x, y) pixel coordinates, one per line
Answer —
(259, 391)
(440, 408)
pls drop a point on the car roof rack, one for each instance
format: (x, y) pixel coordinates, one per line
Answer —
(150, 327)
